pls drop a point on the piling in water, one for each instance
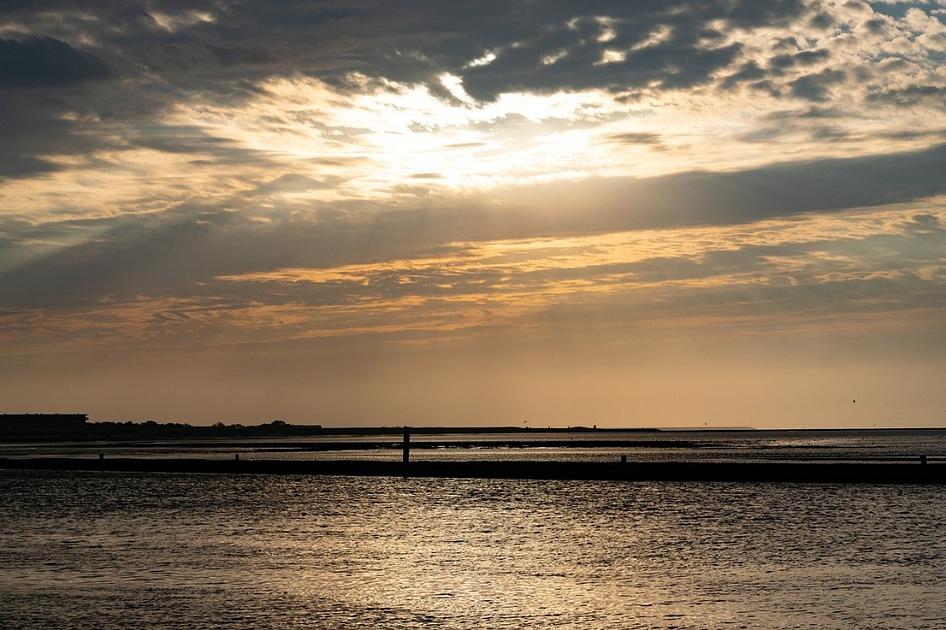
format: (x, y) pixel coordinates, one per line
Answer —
(406, 454)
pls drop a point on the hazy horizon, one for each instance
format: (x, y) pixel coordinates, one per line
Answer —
(657, 214)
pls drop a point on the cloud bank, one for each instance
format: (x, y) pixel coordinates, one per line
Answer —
(426, 185)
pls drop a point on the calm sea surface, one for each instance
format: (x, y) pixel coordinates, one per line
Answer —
(106, 550)
(810, 445)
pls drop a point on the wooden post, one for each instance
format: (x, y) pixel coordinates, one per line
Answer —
(407, 445)
(623, 459)
(236, 457)
(923, 459)
(101, 456)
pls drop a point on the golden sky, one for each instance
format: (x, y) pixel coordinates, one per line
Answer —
(717, 212)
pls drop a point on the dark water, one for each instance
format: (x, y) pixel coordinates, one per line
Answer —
(810, 445)
(115, 550)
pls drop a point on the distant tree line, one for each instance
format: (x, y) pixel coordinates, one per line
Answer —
(31, 427)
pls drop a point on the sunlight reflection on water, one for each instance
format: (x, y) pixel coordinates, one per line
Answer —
(110, 550)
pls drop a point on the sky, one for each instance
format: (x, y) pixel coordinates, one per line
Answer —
(642, 213)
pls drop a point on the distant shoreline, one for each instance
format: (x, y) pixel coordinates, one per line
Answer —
(77, 428)
(752, 472)
(130, 432)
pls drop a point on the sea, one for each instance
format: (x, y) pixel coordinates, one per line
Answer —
(851, 445)
(116, 550)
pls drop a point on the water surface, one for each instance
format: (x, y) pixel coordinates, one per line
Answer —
(849, 445)
(115, 549)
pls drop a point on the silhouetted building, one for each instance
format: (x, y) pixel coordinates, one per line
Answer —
(41, 424)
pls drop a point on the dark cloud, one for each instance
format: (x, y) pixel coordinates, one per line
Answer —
(45, 62)
(192, 140)
(48, 101)
(148, 57)
(808, 113)
(635, 138)
(804, 58)
(791, 130)
(416, 42)
(180, 253)
(877, 26)
(293, 182)
(923, 223)
(675, 59)
(910, 95)
(811, 87)
(821, 20)
(34, 128)
(936, 135)
(13, 165)
(816, 86)
(749, 71)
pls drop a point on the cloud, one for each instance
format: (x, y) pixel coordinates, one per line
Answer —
(246, 186)
(817, 86)
(132, 64)
(46, 62)
(420, 42)
(804, 58)
(749, 71)
(911, 95)
(293, 182)
(632, 137)
(179, 253)
(788, 273)
(721, 198)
